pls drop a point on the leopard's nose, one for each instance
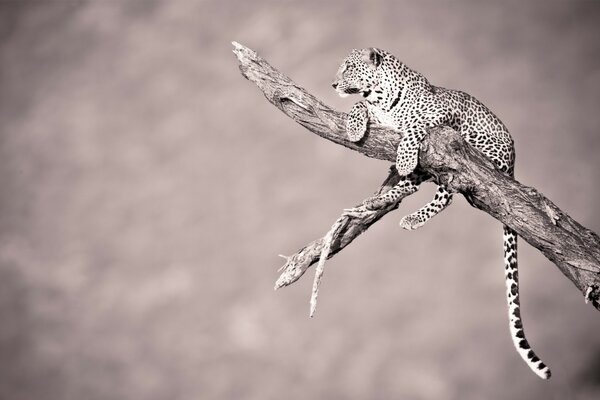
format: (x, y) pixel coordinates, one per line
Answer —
(334, 85)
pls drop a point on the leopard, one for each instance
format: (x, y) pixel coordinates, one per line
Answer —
(401, 98)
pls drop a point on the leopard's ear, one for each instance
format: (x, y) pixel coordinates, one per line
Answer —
(374, 56)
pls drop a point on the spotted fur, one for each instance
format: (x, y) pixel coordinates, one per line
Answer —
(401, 98)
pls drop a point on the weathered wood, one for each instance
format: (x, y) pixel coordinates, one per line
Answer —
(310, 112)
(574, 249)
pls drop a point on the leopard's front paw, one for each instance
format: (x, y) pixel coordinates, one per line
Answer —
(407, 158)
(407, 165)
(356, 123)
(411, 222)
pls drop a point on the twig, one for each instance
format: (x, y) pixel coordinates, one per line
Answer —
(327, 241)
(350, 228)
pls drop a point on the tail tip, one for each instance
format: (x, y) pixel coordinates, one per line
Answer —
(543, 372)
(547, 374)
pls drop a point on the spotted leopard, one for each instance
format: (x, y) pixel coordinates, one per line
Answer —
(401, 98)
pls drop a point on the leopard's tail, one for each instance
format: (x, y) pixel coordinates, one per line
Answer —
(514, 313)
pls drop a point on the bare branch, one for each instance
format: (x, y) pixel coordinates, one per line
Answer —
(310, 112)
(350, 227)
(574, 249)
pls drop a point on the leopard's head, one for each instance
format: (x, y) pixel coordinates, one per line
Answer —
(358, 72)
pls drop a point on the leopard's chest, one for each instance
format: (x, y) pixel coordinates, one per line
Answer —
(395, 117)
(383, 117)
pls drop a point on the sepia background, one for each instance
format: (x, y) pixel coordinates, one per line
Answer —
(147, 189)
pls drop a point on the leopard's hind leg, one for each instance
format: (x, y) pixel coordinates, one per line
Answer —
(441, 200)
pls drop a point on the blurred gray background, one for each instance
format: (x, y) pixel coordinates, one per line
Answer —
(147, 189)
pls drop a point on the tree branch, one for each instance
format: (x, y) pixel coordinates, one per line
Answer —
(574, 249)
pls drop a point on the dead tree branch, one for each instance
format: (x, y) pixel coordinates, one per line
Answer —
(575, 250)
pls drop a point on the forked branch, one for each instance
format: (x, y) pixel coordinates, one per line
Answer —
(575, 250)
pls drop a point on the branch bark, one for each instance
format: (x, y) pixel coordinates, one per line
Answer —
(574, 249)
